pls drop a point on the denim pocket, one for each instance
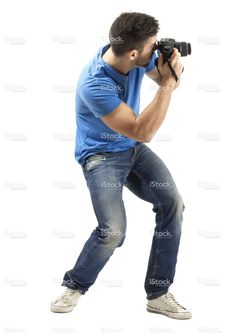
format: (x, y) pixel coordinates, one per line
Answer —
(95, 160)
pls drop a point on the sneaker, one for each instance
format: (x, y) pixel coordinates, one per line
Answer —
(167, 305)
(66, 302)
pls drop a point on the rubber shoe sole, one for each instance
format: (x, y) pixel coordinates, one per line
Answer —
(174, 315)
(62, 309)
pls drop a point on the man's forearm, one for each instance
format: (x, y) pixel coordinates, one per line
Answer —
(149, 121)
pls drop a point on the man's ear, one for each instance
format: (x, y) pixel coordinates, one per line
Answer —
(133, 55)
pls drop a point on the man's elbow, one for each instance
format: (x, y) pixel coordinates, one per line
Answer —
(145, 138)
(141, 135)
(148, 139)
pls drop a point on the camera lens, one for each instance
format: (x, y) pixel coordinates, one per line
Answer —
(183, 48)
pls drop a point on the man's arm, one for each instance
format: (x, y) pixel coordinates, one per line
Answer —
(142, 128)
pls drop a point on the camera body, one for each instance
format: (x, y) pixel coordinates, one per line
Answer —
(166, 46)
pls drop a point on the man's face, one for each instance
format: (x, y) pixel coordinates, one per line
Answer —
(146, 54)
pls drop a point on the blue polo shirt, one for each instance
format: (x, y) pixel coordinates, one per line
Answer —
(99, 91)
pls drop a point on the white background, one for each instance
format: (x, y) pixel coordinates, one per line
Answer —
(46, 212)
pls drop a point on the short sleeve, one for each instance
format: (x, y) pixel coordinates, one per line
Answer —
(151, 64)
(100, 96)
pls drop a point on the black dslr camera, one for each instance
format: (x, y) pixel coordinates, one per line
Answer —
(166, 45)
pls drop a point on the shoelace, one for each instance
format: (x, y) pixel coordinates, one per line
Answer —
(174, 304)
(68, 293)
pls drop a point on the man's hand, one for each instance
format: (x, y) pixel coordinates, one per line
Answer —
(168, 81)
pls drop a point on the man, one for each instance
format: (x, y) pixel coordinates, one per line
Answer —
(110, 146)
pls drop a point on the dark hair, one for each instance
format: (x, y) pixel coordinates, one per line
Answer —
(130, 31)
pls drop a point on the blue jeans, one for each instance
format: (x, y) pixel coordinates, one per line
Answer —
(145, 174)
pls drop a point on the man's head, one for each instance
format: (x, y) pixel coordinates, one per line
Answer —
(133, 36)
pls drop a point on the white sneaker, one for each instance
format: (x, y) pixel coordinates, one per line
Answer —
(66, 302)
(167, 305)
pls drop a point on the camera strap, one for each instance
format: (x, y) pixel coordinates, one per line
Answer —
(172, 70)
(170, 67)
